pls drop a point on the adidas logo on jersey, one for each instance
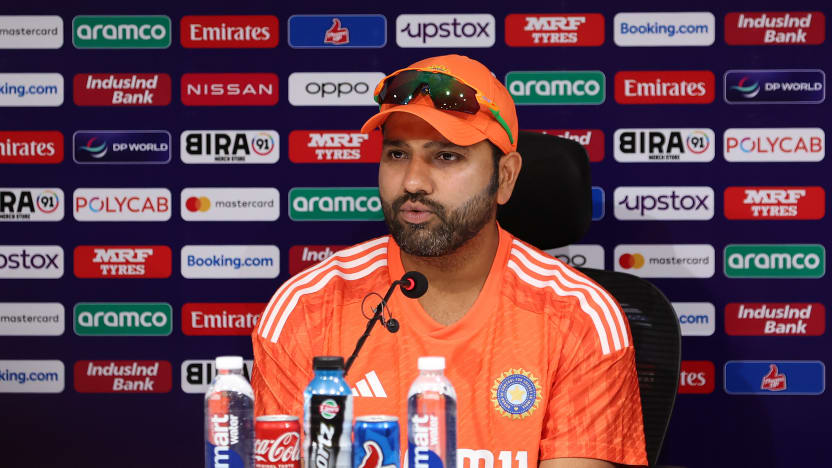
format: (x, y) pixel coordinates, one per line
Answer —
(369, 386)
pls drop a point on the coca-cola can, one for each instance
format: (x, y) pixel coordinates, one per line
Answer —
(278, 441)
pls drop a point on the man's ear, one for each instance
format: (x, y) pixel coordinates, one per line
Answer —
(510, 165)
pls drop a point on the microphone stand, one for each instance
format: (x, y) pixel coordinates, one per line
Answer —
(377, 316)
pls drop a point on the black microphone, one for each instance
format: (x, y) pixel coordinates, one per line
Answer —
(413, 284)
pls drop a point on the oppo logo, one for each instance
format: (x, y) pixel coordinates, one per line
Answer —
(333, 89)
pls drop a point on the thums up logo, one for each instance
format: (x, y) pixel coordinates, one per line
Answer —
(775, 261)
(335, 204)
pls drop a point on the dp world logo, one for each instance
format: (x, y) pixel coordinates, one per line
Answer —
(748, 89)
(335, 204)
(95, 148)
(775, 261)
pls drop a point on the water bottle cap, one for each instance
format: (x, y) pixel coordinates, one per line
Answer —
(431, 363)
(229, 362)
(328, 363)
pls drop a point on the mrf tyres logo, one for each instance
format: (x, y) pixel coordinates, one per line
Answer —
(763, 203)
(122, 261)
(553, 30)
(31, 204)
(123, 319)
(664, 145)
(333, 89)
(664, 203)
(775, 261)
(557, 87)
(121, 32)
(335, 204)
(775, 86)
(457, 30)
(334, 146)
(122, 376)
(229, 146)
(775, 28)
(775, 319)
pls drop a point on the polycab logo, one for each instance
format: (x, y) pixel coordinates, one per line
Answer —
(197, 374)
(591, 139)
(31, 319)
(775, 28)
(122, 376)
(121, 32)
(121, 204)
(461, 30)
(775, 261)
(33, 147)
(774, 144)
(334, 146)
(697, 377)
(31, 89)
(302, 257)
(337, 31)
(580, 255)
(122, 261)
(664, 29)
(333, 89)
(229, 32)
(696, 318)
(553, 30)
(31, 204)
(230, 204)
(557, 87)
(121, 89)
(335, 204)
(123, 319)
(664, 145)
(775, 86)
(220, 318)
(598, 203)
(665, 87)
(230, 261)
(32, 376)
(31, 261)
(32, 32)
(229, 146)
(764, 203)
(229, 89)
(121, 147)
(774, 377)
(775, 319)
(666, 260)
(663, 203)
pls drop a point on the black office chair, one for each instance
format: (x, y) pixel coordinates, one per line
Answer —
(552, 207)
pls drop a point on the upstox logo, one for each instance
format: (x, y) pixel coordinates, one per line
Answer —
(335, 204)
(121, 32)
(557, 87)
(123, 319)
(775, 261)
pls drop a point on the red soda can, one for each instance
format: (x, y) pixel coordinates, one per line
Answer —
(278, 441)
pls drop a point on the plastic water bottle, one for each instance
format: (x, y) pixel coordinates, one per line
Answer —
(229, 417)
(431, 417)
(327, 416)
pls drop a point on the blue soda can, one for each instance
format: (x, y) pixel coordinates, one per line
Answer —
(376, 442)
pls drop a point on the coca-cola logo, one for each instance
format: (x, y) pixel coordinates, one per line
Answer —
(284, 449)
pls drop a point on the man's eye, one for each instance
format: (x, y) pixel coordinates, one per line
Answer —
(395, 154)
(448, 156)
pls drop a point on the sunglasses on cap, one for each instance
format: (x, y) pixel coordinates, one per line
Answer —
(446, 91)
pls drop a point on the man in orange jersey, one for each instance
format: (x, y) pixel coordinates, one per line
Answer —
(540, 356)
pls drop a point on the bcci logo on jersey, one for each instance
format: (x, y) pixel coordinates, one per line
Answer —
(516, 393)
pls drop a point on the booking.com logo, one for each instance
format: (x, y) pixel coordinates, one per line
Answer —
(628, 261)
(748, 91)
(195, 204)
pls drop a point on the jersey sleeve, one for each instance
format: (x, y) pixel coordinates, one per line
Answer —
(594, 406)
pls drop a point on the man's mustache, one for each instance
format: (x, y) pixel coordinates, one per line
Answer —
(419, 197)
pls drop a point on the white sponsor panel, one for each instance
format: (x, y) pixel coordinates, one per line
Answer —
(446, 30)
(31, 32)
(696, 318)
(31, 261)
(32, 376)
(664, 29)
(580, 255)
(663, 203)
(664, 145)
(196, 374)
(31, 89)
(774, 144)
(230, 204)
(229, 146)
(230, 261)
(665, 260)
(31, 319)
(333, 89)
(31, 204)
(121, 204)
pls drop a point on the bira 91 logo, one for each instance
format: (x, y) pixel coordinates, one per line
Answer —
(774, 144)
(665, 87)
(302, 257)
(121, 147)
(196, 374)
(764, 203)
(334, 146)
(775, 319)
(230, 204)
(122, 261)
(31, 147)
(220, 318)
(591, 139)
(663, 203)
(120, 204)
(775, 28)
(557, 87)
(121, 89)
(553, 30)
(775, 261)
(337, 31)
(775, 86)
(122, 376)
(229, 89)
(335, 204)
(697, 377)
(333, 89)
(229, 146)
(123, 319)
(229, 32)
(775, 377)
(664, 145)
(665, 260)
(121, 32)
(31, 204)
(462, 30)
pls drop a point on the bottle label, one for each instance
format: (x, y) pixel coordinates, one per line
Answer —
(223, 438)
(426, 434)
(327, 417)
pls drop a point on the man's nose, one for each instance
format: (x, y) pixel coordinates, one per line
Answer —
(417, 177)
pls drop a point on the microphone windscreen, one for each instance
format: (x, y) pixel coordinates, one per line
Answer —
(415, 284)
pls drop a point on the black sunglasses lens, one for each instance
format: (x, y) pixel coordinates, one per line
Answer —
(449, 94)
(400, 89)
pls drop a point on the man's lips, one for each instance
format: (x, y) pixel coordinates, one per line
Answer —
(415, 213)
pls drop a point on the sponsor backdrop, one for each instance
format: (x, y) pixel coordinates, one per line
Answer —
(164, 167)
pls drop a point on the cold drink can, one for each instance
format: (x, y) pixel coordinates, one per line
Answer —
(278, 441)
(376, 442)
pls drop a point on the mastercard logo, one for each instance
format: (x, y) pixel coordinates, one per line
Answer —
(631, 260)
(195, 204)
